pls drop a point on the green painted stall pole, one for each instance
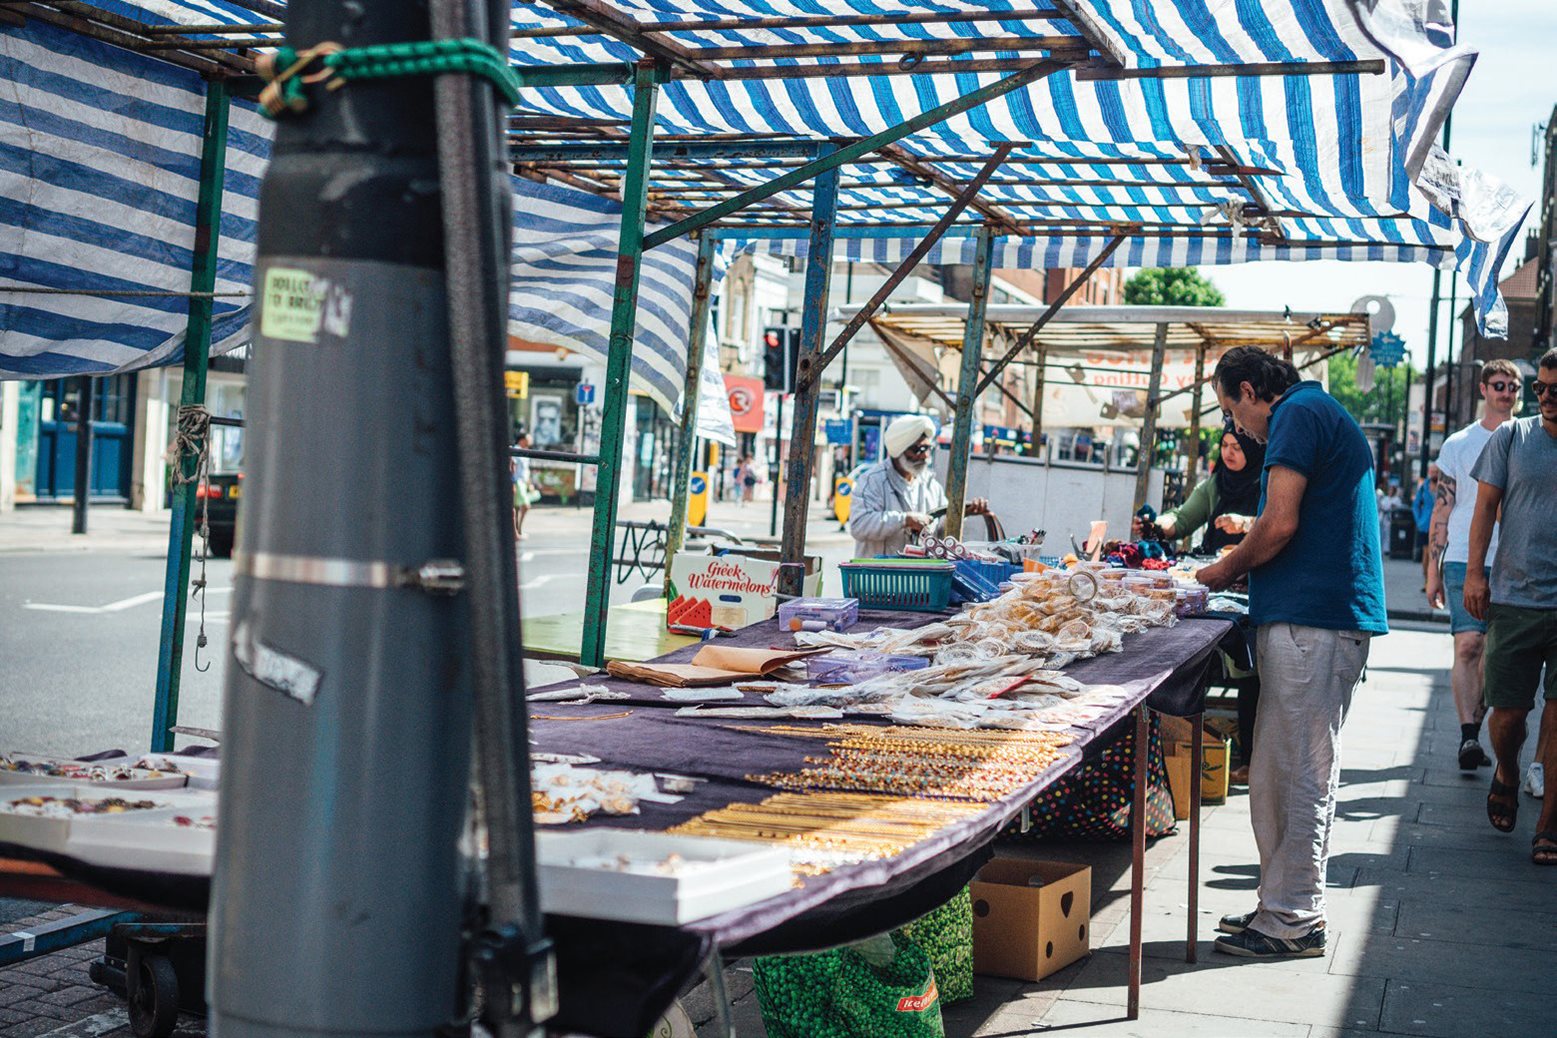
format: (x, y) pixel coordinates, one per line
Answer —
(197, 346)
(686, 445)
(967, 383)
(813, 326)
(1143, 462)
(613, 413)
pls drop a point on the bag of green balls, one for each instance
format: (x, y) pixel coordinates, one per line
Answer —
(946, 935)
(882, 987)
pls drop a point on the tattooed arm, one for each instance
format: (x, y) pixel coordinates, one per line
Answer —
(1438, 538)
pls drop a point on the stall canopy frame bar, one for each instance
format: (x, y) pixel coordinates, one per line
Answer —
(197, 347)
(810, 371)
(1054, 308)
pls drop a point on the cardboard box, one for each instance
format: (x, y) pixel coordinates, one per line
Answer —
(1026, 931)
(1178, 782)
(1215, 762)
(729, 591)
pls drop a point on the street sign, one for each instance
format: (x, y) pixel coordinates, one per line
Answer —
(584, 394)
(843, 495)
(840, 431)
(697, 498)
(1388, 349)
(516, 383)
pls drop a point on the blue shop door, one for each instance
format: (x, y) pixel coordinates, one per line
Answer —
(113, 411)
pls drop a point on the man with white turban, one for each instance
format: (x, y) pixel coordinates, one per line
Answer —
(893, 498)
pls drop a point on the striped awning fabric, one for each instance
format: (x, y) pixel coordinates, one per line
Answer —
(1171, 123)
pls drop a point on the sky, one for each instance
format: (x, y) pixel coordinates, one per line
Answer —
(1512, 88)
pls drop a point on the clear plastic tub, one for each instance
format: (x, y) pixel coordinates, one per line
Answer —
(833, 614)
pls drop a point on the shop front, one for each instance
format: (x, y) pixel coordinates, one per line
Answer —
(48, 413)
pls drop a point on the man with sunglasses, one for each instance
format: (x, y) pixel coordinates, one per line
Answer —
(1449, 549)
(1517, 471)
(893, 498)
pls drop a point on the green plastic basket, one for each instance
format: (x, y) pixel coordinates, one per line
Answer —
(921, 586)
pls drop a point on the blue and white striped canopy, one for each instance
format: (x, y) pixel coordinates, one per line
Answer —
(1198, 169)
(100, 152)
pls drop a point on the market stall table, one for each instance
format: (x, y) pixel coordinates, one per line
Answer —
(1161, 668)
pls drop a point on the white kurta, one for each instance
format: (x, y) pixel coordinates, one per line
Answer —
(882, 497)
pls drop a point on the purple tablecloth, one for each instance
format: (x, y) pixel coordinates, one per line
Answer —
(1164, 667)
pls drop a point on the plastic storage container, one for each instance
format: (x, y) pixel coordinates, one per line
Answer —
(920, 586)
(834, 614)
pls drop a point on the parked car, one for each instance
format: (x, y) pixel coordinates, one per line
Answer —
(217, 500)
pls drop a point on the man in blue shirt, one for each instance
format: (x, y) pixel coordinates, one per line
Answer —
(1316, 594)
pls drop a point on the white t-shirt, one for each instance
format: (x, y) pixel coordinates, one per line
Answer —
(1456, 460)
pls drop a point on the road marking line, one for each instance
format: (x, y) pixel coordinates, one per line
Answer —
(111, 607)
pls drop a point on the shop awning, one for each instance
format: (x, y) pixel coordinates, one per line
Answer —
(1097, 359)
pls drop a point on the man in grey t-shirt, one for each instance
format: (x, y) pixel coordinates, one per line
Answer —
(1517, 473)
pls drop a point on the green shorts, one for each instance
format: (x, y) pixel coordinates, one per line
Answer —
(1519, 642)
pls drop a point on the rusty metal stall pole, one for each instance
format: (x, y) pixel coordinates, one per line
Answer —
(967, 382)
(1192, 475)
(1143, 459)
(697, 339)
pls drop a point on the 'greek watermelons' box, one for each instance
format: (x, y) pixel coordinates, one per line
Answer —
(729, 591)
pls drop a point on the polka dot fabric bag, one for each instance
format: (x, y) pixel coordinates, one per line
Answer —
(1093, 801)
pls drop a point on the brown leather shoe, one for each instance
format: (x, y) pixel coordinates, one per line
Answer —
(1239, 776)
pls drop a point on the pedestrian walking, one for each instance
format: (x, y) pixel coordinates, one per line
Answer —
(1316, 596)
(525, 492)
(1449, 549)
(1517, 471)
(1422, 513)
(746, 479)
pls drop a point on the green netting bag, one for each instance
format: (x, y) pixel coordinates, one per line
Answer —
(946, 935)
(882, 987)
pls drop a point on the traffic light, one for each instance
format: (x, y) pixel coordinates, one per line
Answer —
(780, 354)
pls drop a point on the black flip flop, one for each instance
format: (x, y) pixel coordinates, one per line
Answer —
(1546, 855)
(1509, 813)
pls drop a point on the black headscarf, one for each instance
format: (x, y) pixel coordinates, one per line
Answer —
(1237, 493)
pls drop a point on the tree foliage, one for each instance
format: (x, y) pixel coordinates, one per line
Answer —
(1385, 402)
(1171, 286)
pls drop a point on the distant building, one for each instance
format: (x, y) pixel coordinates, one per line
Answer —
(1519, 292)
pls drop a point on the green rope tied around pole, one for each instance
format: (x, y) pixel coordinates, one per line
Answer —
(291, 72)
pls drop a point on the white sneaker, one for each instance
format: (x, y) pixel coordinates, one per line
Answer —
(1535, 780)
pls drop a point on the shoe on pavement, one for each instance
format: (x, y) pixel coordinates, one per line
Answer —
(1472, 756)
(1535, 780)
(1235, 924)
(1251, 944)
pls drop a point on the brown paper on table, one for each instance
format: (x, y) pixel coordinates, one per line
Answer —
(713, 665)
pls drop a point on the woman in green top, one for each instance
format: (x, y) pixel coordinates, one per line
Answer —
(1224, 504)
